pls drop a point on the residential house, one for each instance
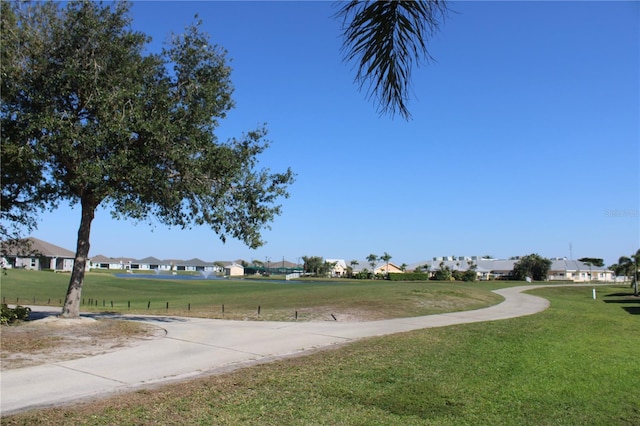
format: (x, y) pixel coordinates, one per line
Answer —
(378, 268)
(117, 263)
(496, 269)
(149, 264)
(195, 265)
(234, 270)
(577, 271)
(39, 255)
(339, 269)
(387, 268)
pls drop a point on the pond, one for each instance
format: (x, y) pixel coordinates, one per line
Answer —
(202, 276)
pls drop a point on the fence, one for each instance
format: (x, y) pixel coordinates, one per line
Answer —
(92, 305)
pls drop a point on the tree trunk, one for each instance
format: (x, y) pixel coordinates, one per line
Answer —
(71, 308)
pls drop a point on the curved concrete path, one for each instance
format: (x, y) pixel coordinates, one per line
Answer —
(195, 346)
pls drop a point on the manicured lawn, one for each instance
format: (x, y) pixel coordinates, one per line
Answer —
(574, 364)
(312, 300)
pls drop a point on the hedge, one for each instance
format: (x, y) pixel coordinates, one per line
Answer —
(409, 276)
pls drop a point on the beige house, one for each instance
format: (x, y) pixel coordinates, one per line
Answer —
(234, 270)
(339, 269)
(387, 268)
(381, 268)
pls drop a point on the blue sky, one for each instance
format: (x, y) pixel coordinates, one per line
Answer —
(525, 136)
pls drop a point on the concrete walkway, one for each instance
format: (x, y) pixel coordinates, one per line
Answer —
(194, 346)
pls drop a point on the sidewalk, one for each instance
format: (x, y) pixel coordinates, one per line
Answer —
(194, 346)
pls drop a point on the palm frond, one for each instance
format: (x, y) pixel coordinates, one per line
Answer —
(387, 39)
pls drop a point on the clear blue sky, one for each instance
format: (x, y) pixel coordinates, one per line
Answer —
(525, 136)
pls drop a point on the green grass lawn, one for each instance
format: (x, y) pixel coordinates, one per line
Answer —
(574, 364)
(312, 300)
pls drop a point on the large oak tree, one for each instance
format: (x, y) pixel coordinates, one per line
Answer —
(89, 117)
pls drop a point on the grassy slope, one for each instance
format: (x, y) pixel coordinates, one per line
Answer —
(576, 363)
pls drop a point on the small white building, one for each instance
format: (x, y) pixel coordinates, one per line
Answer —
(234, 270)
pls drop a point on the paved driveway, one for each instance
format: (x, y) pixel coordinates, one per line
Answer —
(195, 346)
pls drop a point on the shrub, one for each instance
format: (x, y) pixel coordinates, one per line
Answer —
(442, 275)
(11, 315)
(409, 276)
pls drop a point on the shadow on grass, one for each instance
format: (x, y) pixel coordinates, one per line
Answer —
(620, 295)
(38, 315)
(626, 298)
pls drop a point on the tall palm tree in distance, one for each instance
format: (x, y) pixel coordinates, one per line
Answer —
(372, 259)
(386, 257)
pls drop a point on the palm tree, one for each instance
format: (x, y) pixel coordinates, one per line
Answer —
(386, 257)
(628, 266)
(372, 259)
(353, 264)
(624, 267)
(386, 39)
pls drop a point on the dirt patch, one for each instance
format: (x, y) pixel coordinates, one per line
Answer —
(53, 339)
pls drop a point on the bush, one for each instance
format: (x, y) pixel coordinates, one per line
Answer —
(362, 275)
(409, 276)
(442, 275)
(11, 315)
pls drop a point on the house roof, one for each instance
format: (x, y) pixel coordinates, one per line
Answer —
(39, 247)
(113, 260)
(194, 262)
(150, 260)
(505, 265)
(234, 265)
(574, 265)
(364, 264)
(338, 262)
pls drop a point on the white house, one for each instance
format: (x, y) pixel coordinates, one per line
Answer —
(576, 271)
(561, 269)
(118, 263)
(32, 253)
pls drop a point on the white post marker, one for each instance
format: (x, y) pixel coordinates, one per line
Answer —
(594, 294)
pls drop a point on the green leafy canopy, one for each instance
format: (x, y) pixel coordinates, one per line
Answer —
(89, 117)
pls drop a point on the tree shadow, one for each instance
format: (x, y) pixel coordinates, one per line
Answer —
(626, 299)
(130, 317)
(37, 315)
